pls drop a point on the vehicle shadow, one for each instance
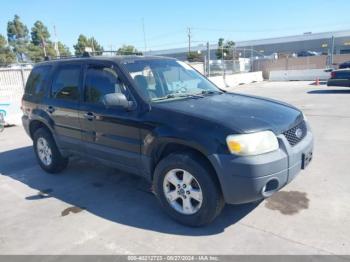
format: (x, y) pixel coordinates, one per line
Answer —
(328, 91)
(107, 193)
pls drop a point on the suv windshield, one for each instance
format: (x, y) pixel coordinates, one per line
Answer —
(165, 79)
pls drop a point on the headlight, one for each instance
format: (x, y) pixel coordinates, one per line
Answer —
(252, 144)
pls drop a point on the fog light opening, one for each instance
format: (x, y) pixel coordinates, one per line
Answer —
(270, 187)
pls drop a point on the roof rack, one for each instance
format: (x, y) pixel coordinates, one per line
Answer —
(94, 53)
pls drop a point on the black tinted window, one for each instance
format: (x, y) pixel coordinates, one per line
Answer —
(66, 83)
(101, 80)
(36, 82)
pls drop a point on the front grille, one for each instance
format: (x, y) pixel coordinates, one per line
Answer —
(296, 134)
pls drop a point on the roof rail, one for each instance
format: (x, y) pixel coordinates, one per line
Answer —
(114, 52)
(94, 53)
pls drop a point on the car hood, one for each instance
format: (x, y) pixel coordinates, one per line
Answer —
(240, 113)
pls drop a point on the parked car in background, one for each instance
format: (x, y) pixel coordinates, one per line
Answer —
(340, 77)
(307, 53)
(158, 118)
(344, 65)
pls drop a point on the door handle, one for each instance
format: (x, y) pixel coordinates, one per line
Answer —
(89, 116)
(50, 109)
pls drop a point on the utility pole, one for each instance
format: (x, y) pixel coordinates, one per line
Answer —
(251, 59)
(111, 48)
(208, 59)
(332, 51)
(144, 34)
(233, 58)
(56, 42)
(189, 35)
(92, 45)
(43, 43)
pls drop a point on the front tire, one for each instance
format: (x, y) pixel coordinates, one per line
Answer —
(187, 190)
(47, 153)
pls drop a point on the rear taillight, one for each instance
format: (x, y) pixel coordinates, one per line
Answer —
(333, 74)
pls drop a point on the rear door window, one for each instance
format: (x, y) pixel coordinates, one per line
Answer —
(36, 82)
(65, 84)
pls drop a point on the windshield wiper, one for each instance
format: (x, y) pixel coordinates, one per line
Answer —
(210, 92)
(164, 97)
(169, 96)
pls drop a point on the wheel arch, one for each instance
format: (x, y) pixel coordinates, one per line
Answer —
(35, 125)
(166, 148)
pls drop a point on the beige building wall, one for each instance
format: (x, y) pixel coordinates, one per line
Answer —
(296, 63)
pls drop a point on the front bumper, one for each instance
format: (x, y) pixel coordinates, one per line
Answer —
(248, 179)
(25, 123)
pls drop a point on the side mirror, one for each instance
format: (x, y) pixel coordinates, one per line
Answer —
(117, 99)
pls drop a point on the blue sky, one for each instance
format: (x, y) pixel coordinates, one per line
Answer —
(114, 23)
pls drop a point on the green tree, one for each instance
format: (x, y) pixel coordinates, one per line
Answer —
(84, 42)
(6, 54)
(40, 34)
(194, 57)
(96, 47)
(40, 43)
(63, 49)
(17, 36)
(81, 44)
(225, 48)
(128, 50)
(35, 53)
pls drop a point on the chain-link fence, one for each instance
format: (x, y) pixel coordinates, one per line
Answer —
(222, 67)
(12, 83)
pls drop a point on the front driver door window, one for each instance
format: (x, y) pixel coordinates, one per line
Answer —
(112, 133)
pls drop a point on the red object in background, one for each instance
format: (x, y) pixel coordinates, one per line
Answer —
(317, 81)
(333, 74)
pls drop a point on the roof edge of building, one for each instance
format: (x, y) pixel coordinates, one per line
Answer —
(255, 42)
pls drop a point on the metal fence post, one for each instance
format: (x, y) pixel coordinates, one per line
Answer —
(208, 58)
(23, 80)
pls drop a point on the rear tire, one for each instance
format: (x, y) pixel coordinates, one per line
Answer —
(47, 153)
(200, 201)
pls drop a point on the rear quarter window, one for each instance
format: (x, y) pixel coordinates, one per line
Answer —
(37, 81)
